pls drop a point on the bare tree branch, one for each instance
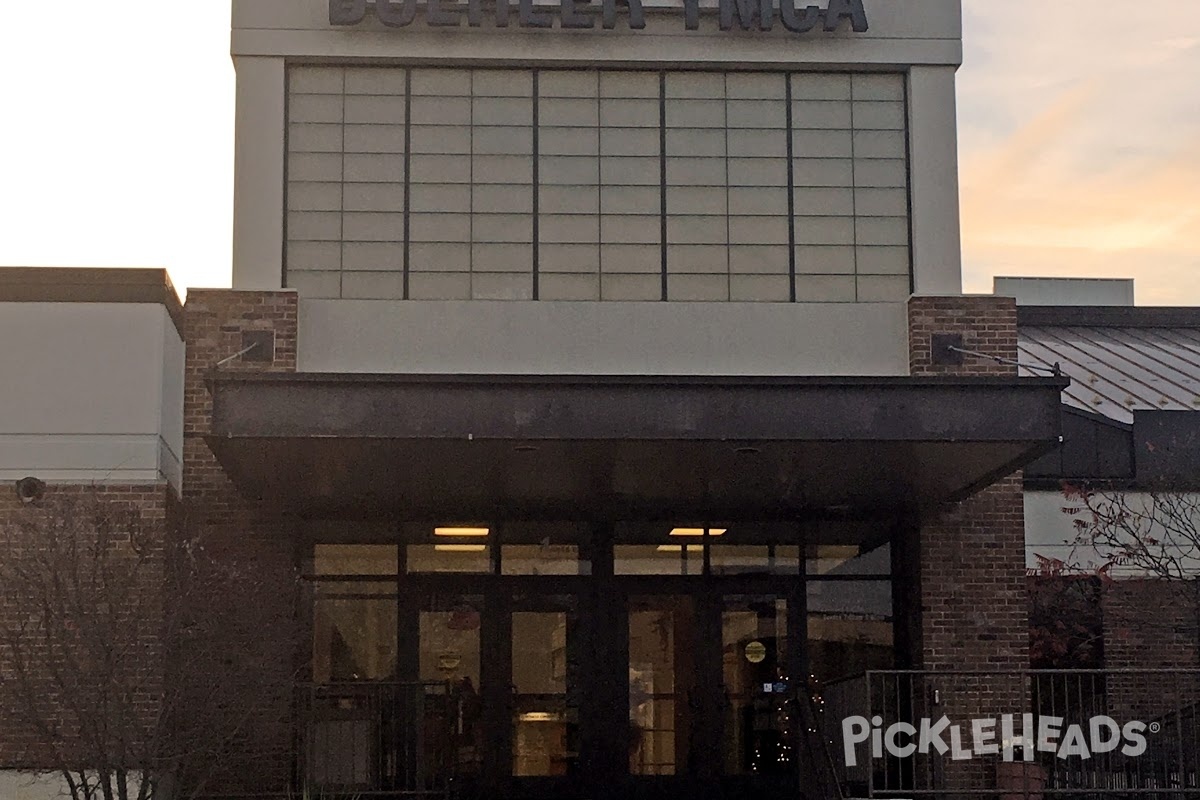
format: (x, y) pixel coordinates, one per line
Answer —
(127, 656)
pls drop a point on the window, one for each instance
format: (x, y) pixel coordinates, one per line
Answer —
(520, 184)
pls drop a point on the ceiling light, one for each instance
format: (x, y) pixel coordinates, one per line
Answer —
(460, 548)
(698, 531)
(462, 532)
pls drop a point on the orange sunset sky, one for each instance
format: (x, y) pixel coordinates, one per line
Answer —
(1079, 133)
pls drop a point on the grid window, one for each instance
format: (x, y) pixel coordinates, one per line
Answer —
(512, 184)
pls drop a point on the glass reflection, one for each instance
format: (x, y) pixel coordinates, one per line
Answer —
(838, 560)
(449, 642)
(354, 632)
(545, 689)
(760, 727)
(544, 549)
(354, 559)
(661, 670)
(849, 628)
(732, 559)
(663, 559)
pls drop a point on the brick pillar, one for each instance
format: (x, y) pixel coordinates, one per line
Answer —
(986, 324)
(971, 555)
(214, 321)
(257, 546)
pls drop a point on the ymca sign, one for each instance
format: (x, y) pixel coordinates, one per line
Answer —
(577, 14)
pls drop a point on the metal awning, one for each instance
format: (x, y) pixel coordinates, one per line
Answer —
(478, 446)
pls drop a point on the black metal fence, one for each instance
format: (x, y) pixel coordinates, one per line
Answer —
(362, 740)
(1016, 735)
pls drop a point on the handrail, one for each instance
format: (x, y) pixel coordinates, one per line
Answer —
(819, 755)
(378, 738)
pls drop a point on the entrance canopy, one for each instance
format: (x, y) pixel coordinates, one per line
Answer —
(474, 446)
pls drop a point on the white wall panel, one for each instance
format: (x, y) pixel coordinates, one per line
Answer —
(99, 393)
(605, 338)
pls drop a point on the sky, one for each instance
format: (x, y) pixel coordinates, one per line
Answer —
(1079, 127)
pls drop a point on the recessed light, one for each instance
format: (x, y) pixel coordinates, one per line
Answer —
(461, 532)
(460, 548)
(698, 531)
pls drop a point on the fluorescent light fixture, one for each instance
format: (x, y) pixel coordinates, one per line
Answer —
(678, 548)
(460, 548)
(698, 531)
(461, 532)
(540, 716)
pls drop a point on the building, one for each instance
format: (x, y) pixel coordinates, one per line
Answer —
(1130, 423)
(607, 364)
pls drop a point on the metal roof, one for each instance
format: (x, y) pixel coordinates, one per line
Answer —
(1119, 365)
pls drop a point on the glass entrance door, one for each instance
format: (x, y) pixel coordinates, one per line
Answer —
(711, 695)
(664, 699)
(545, 684)
(760, 724)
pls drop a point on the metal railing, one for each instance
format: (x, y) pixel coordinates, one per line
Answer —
(1074, 751)
(362, 740)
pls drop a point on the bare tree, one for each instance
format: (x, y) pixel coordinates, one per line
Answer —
(1155, 534)
(128, 656)
(1141, 537)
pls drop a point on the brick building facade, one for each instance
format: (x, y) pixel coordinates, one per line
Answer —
(576, 421)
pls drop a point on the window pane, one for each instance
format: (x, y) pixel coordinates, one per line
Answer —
(849, 628)
(662, 559)
(450, 557)
(838, 560)
(354, 559)
(354, 639)
(661, 673)
(545, 661)
(741, 559)
(449, 642)
(544, 549)
(759, 724)
(747, 548)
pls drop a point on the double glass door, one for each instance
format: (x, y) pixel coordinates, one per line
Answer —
(640, 688)
(568, 685)
(565, 660)
(712, 691)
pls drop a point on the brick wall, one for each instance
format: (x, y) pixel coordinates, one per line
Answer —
(243, 538)
(974, 599)
(1150, 625)
(970, 556)
(213, 324)
(35, 542)
(987, 325)
(241, 586)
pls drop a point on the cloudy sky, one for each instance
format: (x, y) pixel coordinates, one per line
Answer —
(1079, 122)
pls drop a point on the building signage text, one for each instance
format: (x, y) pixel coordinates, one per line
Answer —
(734, 14)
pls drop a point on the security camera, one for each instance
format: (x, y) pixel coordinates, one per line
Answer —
(30, 490)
